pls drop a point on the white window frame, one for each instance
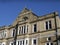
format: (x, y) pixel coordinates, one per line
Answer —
(27, 42)
(12, 32)
(48, 39)
(4, 33)
(19, 30)
(10, 43)
(48, 42)
(48, 24)
(19, 41)
(33, 27)
(36, 41)
(22, 41)
(3, 43)
(27, 28)
(23, 29)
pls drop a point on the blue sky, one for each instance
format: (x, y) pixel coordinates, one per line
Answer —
(9, 9)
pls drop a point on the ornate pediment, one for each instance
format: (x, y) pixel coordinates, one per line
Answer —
(25, 15)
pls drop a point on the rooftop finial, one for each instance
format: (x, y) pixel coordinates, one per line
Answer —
(25, 7)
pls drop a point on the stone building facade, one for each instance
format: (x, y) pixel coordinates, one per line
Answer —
(32, 29)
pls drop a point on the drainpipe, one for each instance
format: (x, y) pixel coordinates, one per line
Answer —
(56, 27)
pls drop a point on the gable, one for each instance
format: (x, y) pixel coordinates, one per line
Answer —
(24, 15)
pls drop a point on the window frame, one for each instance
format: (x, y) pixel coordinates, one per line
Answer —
(27, 41)
(35, 27)
(48, 38)
(48, 25)
(11, 42)
(48, 43)
(36, 41)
